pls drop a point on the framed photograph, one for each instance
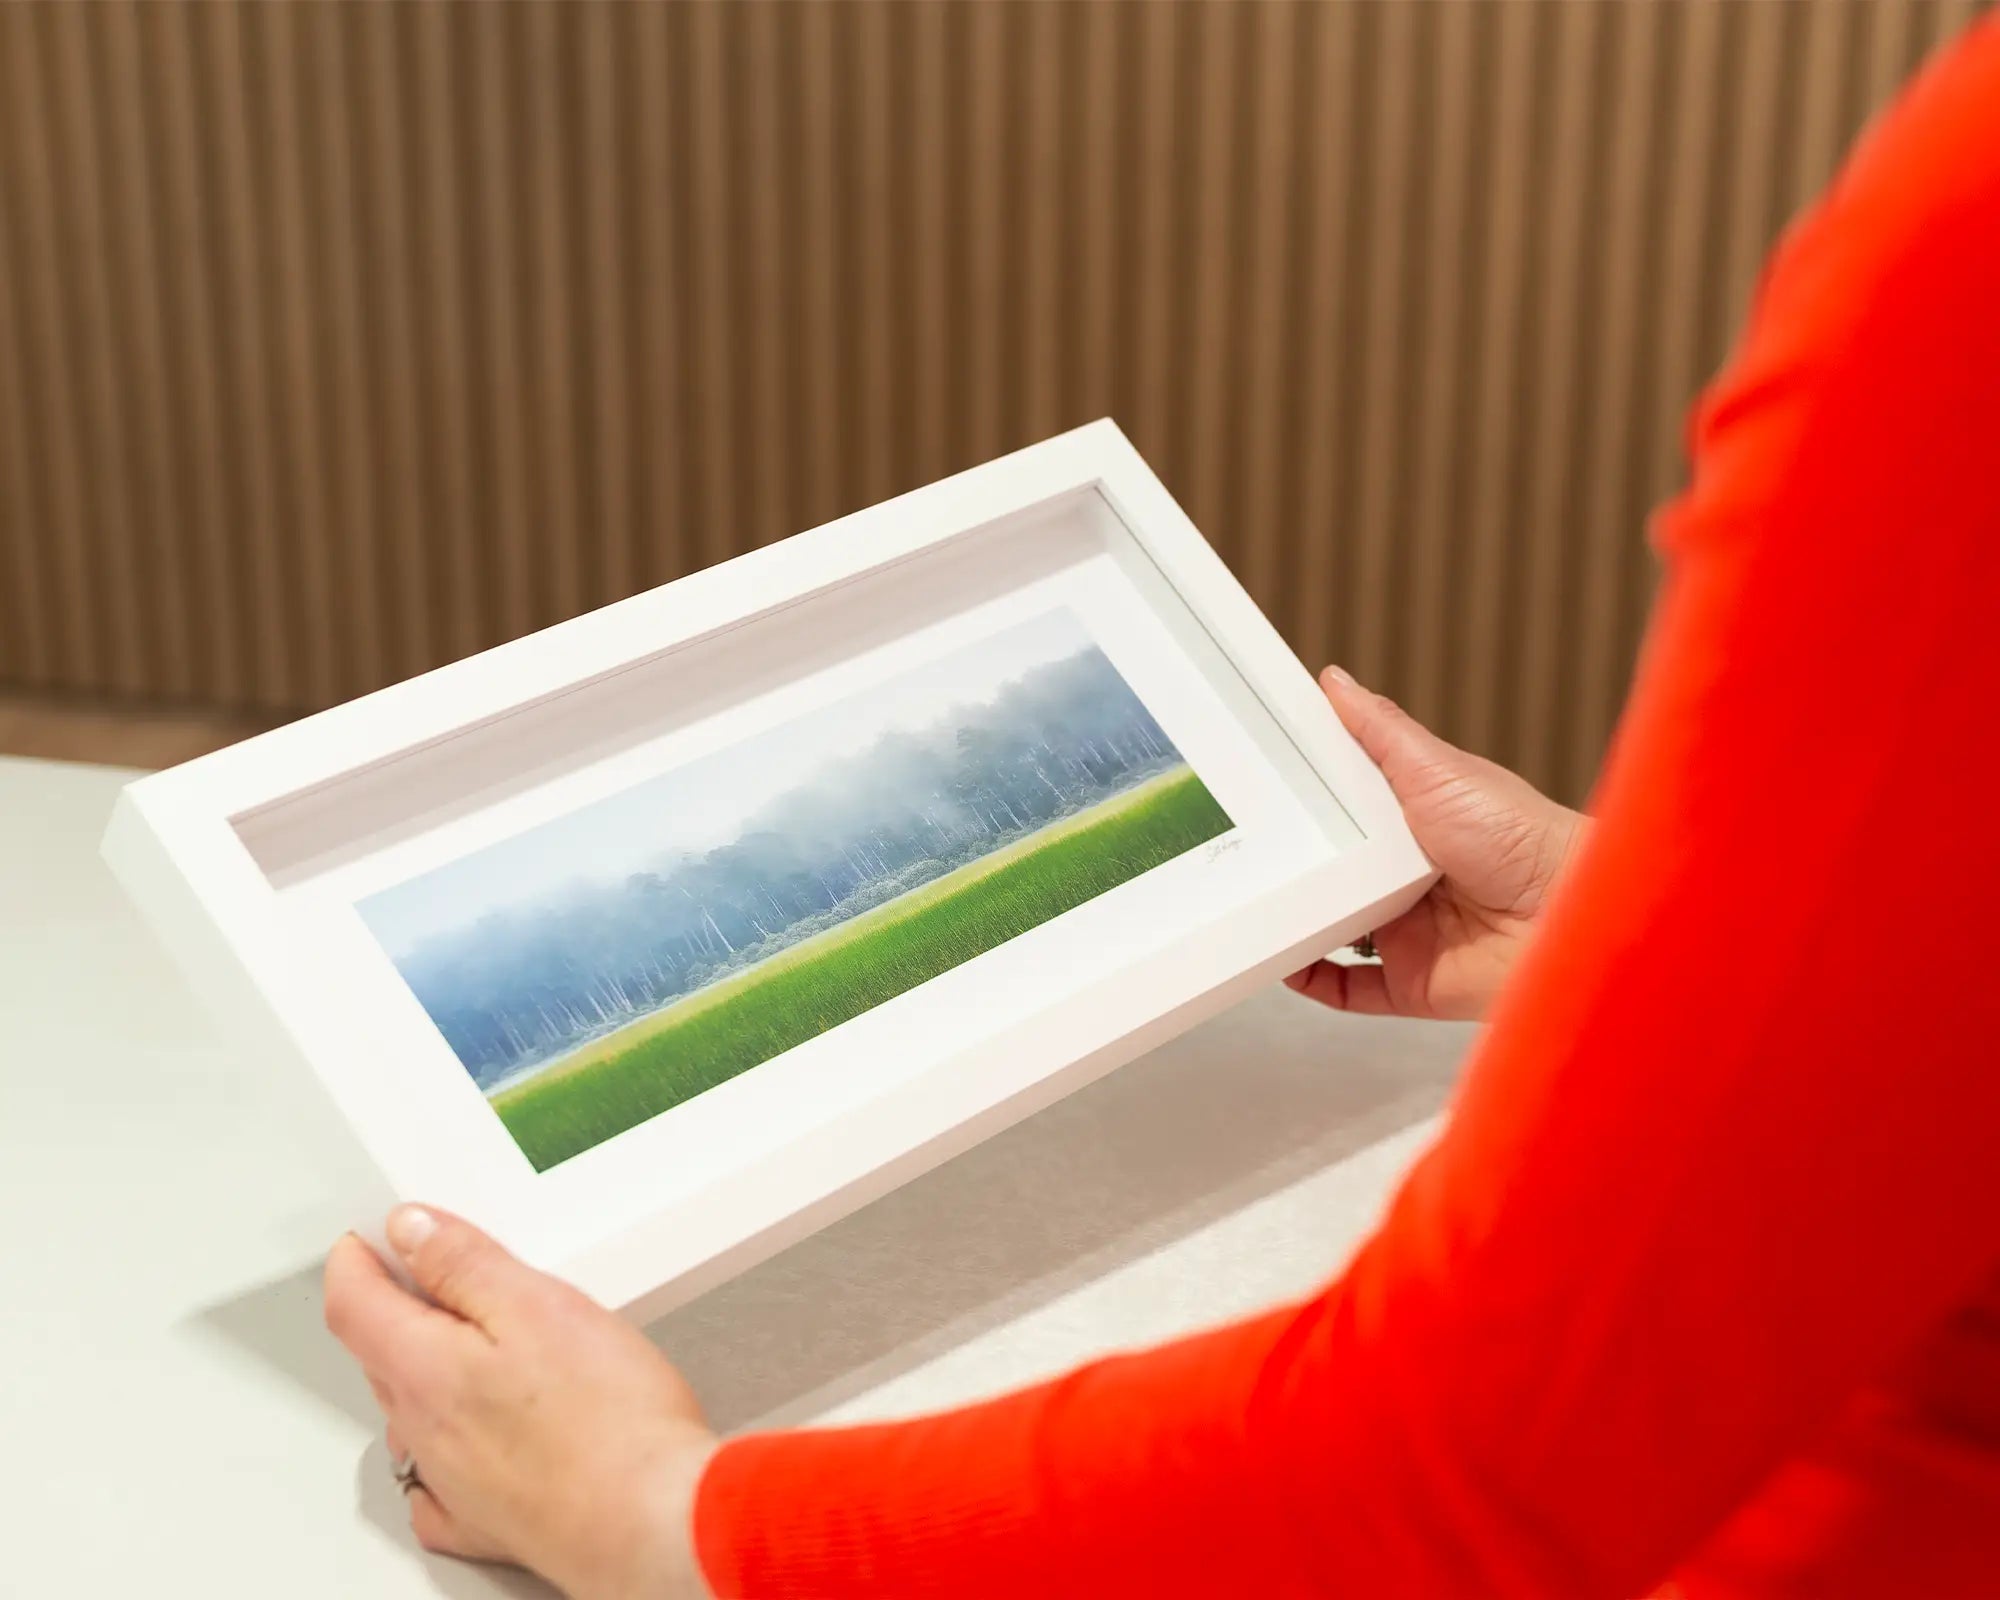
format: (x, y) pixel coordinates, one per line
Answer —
(658, 938)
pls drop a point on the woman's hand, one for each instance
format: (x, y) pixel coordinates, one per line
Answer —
(547, 1432)
(1500, 844)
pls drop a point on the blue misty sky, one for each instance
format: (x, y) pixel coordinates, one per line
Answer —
(705, 803)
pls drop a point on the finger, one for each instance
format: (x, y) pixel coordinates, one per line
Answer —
(1362, 989)
(438, 1531)
(464, 1270)
(378, 1320)
(1411, 757)
(398, 1451)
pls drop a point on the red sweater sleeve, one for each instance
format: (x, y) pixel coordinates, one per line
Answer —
(1728, 1147)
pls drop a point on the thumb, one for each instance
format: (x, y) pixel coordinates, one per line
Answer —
(1411, 757)
(458, 1267)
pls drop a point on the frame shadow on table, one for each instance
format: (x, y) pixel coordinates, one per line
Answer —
(1231, 1112)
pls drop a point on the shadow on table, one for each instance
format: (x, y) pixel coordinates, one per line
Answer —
(1228, 1113)
(1194, 1132)
(280, 1323)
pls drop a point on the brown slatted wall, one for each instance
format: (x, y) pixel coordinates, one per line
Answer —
(336, 341)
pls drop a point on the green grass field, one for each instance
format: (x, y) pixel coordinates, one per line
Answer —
(659, 1061)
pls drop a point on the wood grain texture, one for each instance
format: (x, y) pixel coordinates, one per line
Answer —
(338, 341)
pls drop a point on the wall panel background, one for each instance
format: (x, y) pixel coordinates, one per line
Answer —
(338, 341)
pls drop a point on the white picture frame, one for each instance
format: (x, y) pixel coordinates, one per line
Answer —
(250, 862)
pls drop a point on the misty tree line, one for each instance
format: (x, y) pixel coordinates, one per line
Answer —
(522, 985)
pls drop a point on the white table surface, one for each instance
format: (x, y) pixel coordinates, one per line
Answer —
(175, 1421)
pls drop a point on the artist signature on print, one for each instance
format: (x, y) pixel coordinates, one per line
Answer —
(1218, 848)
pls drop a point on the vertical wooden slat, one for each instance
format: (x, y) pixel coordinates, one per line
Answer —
(1350, 372)
(1267, 297)
(1536, 590)
(457, 579)
(985, 359)
(871, 238)
(897, 162)
(604, 152)
(711, 281)
(659, 341)
(1206, 324)
(342, 349)
(111, 503)
(1609, 536)
(1151, 263)
(1394, 110)
(185, 266)
(770, 497)
(25, 655)
(1482, 577)
(825, 413)
(1822, 82)
(560, 535)
(1096, 85)
(1753, 161)
(953, 265)
(293, 271)
(133, 284)
(1314, 383)
(933, 380)
(387, 251)
(1676, 358)
(501, 399)
(1441, 385)
(27, 577)
(238, 293)
(1045, 154)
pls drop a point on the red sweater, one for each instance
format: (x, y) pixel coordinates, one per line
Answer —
(1698, 1285)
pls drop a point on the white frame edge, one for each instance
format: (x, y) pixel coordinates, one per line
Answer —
(173, 843)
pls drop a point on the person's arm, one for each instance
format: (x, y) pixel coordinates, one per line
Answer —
(1727, 1150)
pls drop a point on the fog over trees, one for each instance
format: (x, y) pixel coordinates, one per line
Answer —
(522, 985)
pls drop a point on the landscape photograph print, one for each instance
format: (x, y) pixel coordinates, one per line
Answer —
(601, 968)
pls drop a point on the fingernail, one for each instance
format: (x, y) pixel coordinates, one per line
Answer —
(1336, 675)
(409, 1227)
